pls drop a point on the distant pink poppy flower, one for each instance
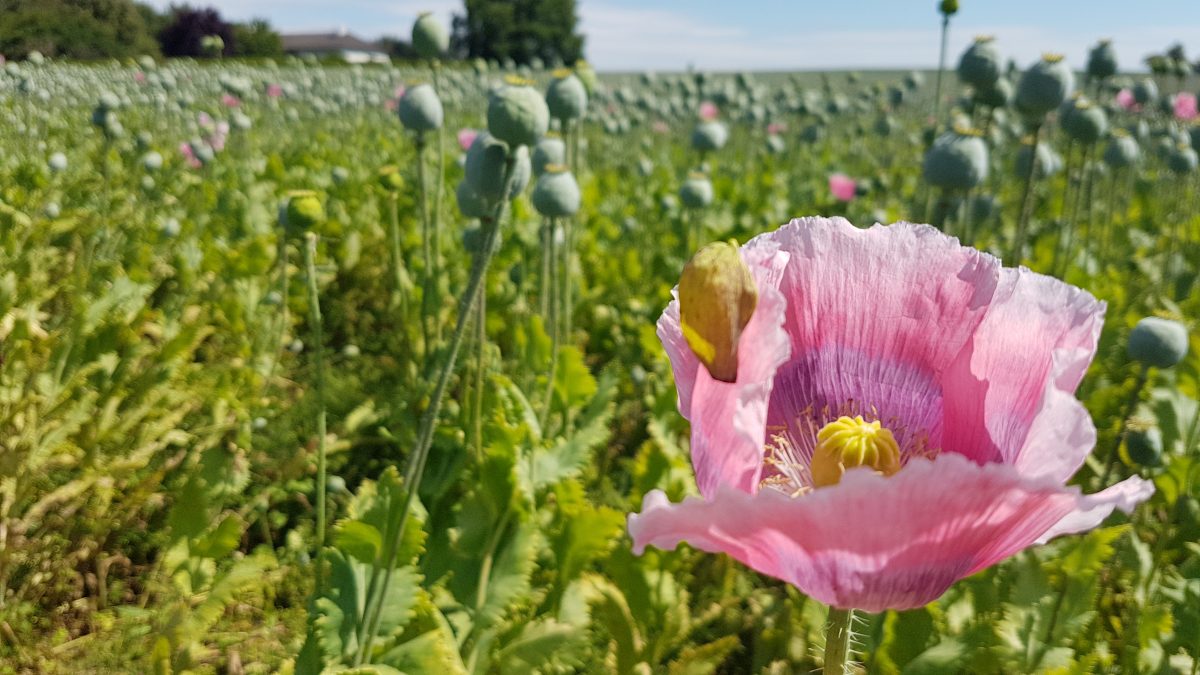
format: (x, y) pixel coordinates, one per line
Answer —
(971, 365)
(274, 91)
(189, 156)
(399, 92)
(842, 187)
(466, 137)
(709, 111)
(1185, 106)
(1126, 100)
(204, 120)
(391, 104)
(230, 101)
(776, 128)
(660, 127)
(138, 77)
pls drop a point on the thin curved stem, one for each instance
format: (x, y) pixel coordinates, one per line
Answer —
(314, 312)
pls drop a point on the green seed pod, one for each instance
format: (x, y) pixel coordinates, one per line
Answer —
(517, 114)
(1102, 61)
(556, 193)
(1182, 160)
(469, 202)
(1048, 161)
(775, 144)
(1144, 443)
(999, 95)
(522, 171)
(1084, 123)
(948, 8)
(585, 73)
(957, 160)
(696, 192)
(152, 161)
(420, 109)
(390, 179)
(429, 38)
(709, 136)
(979, 66)
(1044, 86)
(1161, 343)
(301, 210)
(1145, 91)
(1122, 150)
(549, 150)
(567, 97)
(485, 167)
(717, 299)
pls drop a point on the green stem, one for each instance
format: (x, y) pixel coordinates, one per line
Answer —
(485, 573)
(1018, 244)
(837, 641)
(426, 252)
(398, 271)
(1130, 404)
(439, 188)
(552, 326)
(420, 453)
(480, 364)
(937, 89)
(314, 308)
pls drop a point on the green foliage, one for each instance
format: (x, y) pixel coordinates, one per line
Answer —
(77, 29)
(520, 31)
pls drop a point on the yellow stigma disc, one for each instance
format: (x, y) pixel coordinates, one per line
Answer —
(849, 442)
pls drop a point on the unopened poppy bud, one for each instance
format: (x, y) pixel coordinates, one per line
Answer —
(517, 114)
(979, 66)
(709, 136)
(302, 210)
(948, 7)
(717, 297)
(1161, 343)
(1143, 442)
(847, 443)
(1044, 86)
(957, 160)
(429, 37)
(1102, 61)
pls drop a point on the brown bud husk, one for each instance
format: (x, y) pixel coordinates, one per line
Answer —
(717, 297)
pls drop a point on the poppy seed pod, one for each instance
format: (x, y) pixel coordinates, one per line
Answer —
(717, 298)
(566, 96)
(1048, 161)
(1084, 122)
(556, 193)
(420, 109)
(979, 66)
(152, 161)
(775, 144)
(469, 202)
(1044, 86)
(522, 171)
(58, 162)
(1102, 61)
(1143, 442)
(301, 210)
(1182, 160)
(957, 160)
(948, 8)
(429, 38)
(1161, 343)
(485, 167)
(696, 192)
(998, 95)
(709, 136)
(1122, 150)
(549, 150)
(517, 114)
(1145, 91)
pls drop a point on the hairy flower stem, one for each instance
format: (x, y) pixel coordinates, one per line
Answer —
(420, 453)
(427, 273)
(399, 275)
(1018, 243)
(439, 188)
(314, 313)
(480, 365)
(552, 327)
(1130, 404)
(837, 641)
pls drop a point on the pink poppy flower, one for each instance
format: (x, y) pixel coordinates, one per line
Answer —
(274, 91)
(970, 365)
(189, 156)
(1126, 100)
(842, 187)
(139, 77)
(660, 127)
(1185, 106)
(709, 111)
(776, 128)
(466, 137)
(230, 101)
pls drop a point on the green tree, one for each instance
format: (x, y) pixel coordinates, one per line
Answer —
(256, 39)
(519, 30)
(78, 29)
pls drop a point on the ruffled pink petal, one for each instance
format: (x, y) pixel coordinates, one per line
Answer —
(876, 543)
(729, 418)
(1009, 395)
(876, 315)
(1093, 509)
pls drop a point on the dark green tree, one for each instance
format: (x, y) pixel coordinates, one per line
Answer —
(256, 39)
(188, 26)
(77, 29)
(519, 30)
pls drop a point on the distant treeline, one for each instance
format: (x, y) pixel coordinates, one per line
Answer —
(520, 31)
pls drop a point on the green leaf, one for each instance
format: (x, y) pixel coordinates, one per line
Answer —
(539, 643)
(359, 540)
(944, 658)
(573, 382)
(220, 541)
(704, 659)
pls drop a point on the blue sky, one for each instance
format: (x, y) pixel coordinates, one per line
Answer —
(788, 34)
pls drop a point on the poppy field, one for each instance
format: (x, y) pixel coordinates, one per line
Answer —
(463, 367)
